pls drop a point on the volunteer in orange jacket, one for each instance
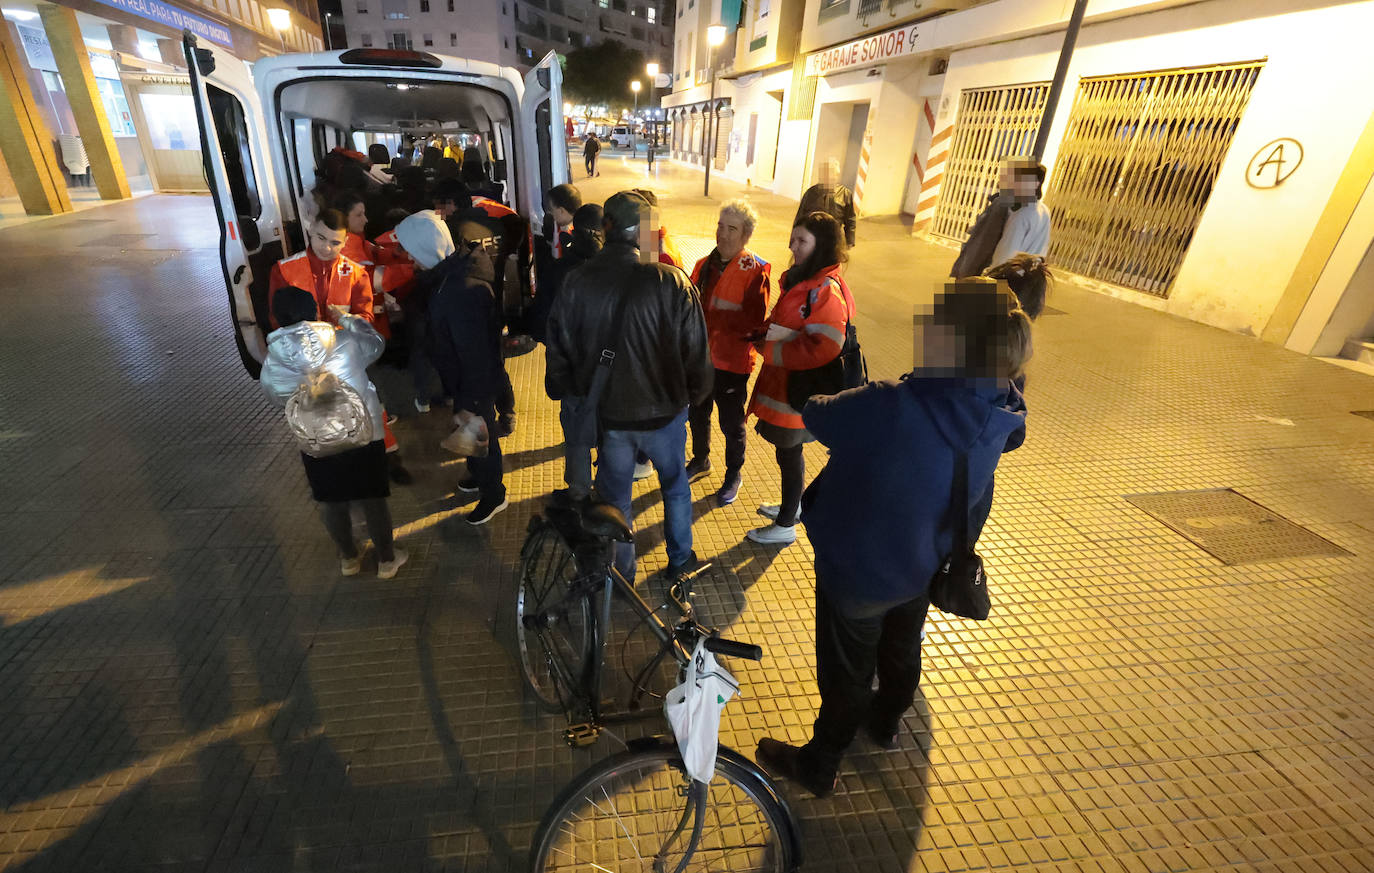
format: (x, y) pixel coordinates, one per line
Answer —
(338, 283)
(805, 330)
(391, 278)
(734, 287)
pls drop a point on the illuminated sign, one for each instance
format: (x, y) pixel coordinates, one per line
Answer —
(154, 10)
(887, 46)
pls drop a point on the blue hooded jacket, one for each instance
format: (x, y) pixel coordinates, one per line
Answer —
(878, 515)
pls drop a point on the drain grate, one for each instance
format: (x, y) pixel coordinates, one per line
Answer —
(1233, 528)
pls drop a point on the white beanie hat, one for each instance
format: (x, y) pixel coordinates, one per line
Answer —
(425, 238)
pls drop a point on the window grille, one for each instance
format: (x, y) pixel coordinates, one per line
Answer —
(992, 124)
(1136, 168)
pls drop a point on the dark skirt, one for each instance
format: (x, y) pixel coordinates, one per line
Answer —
(357, 474)
(783, 437)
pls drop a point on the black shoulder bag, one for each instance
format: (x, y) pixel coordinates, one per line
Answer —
(581, 424)
(846, 370)
(960, 587)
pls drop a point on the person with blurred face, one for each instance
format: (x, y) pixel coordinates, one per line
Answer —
(339, 283)
(882, 516)
(1013, 222)
(734, 287)
(829, 195)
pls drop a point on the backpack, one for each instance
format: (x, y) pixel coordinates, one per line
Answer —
(327, 416)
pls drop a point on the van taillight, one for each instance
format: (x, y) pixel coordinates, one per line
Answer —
(389, 58)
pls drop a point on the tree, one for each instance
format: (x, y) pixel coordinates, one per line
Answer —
(601, 74)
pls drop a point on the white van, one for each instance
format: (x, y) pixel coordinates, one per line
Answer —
(270, 129)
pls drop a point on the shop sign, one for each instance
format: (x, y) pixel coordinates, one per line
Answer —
(162, 13)
(887, 46)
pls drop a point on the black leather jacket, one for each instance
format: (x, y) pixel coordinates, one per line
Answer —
(838, 201)
(663, 362)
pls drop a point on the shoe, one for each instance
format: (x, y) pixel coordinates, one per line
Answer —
(469, 486)
(389, 569)
(391, 419)
(781, 759)
(697, 468)
(350, 566)
(485, 509)
(505, 425)
(399, 474)
(773, 535)
(643, 471)
(675, 571)
(421, 406)
(882, 732)
(770, 510)
(730, 490)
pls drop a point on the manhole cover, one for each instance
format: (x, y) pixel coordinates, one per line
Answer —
(1233, 528)
(119, 239)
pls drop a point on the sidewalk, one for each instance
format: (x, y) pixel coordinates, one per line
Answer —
(188, 685)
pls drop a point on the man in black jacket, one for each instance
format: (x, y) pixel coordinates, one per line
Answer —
(830, 196)
(466, 326)
(661, 366)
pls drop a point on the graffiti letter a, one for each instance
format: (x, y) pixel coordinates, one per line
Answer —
(1276, 158)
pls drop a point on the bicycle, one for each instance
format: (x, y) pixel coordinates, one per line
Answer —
(631, 810)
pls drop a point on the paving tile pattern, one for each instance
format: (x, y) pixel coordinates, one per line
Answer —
(187, 685)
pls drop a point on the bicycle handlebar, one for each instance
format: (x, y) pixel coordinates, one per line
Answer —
(733, 649)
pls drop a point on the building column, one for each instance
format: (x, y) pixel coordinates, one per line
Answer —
(74, 65)
(24, 139)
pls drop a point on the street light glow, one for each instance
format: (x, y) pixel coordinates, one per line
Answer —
(715, 35)
(280, 18)
(652, 70)
(634, 86)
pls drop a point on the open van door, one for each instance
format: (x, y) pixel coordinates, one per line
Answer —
(233, 146)
(541, 109)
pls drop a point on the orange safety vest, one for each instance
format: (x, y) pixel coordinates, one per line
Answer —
(736, 308)
(342, 283)
(492, 208)
(819, 340)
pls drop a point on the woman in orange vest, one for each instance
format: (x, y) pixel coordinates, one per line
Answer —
(805, 330)
(734, 296)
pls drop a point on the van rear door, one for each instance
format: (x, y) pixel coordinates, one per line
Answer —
(541, 109)
(233, 147)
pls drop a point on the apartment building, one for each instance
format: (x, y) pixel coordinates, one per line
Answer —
(509, 32)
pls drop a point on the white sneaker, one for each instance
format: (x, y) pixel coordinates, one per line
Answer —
(773, 535)
(389, 569)
(643, 471)
(770, 510)
(421, 406)
(350, 566)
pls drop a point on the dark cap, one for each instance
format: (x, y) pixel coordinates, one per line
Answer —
(625, 210)
(588, 217)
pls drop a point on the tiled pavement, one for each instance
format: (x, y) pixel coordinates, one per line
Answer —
(186, 684)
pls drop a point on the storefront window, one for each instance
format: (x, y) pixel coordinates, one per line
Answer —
(171, 121)
(116, 107)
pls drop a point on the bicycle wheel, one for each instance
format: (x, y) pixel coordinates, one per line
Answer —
(553, 630)
(619, 814)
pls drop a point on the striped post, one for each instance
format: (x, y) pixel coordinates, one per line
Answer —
(933, 172)
(864, 152)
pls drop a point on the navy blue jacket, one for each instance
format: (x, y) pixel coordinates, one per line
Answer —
(878, 514)
(466, 329)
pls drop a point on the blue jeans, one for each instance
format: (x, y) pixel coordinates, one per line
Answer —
(667, 449)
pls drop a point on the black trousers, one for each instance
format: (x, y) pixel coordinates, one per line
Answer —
(729, 397)
(488, 471)
(849, 651)
(339, 523)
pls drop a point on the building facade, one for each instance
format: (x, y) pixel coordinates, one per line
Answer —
(509, 32)
(1208, 159)
(96, 102)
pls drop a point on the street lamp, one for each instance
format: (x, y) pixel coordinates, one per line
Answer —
(715, 37)
(280, 19)
(328, 37)
(651, 69)
(634, 86)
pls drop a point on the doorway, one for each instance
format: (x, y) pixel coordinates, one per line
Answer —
(840, 136)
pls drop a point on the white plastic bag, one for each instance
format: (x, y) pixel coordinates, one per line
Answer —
(693, 709)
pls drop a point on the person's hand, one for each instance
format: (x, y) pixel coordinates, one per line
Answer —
(462, 417)
(336, 312)
(778, 333)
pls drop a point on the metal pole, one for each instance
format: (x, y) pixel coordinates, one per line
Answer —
(1060, 72)
(634, 143)
(710, 144)
(653, 126)
(328, 37)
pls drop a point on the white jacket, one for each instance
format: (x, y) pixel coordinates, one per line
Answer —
(1027, 230)
(296, 351)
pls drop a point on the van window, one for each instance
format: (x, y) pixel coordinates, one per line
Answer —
(232, 129)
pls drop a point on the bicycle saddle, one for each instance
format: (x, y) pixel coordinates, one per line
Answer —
(604, 520)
